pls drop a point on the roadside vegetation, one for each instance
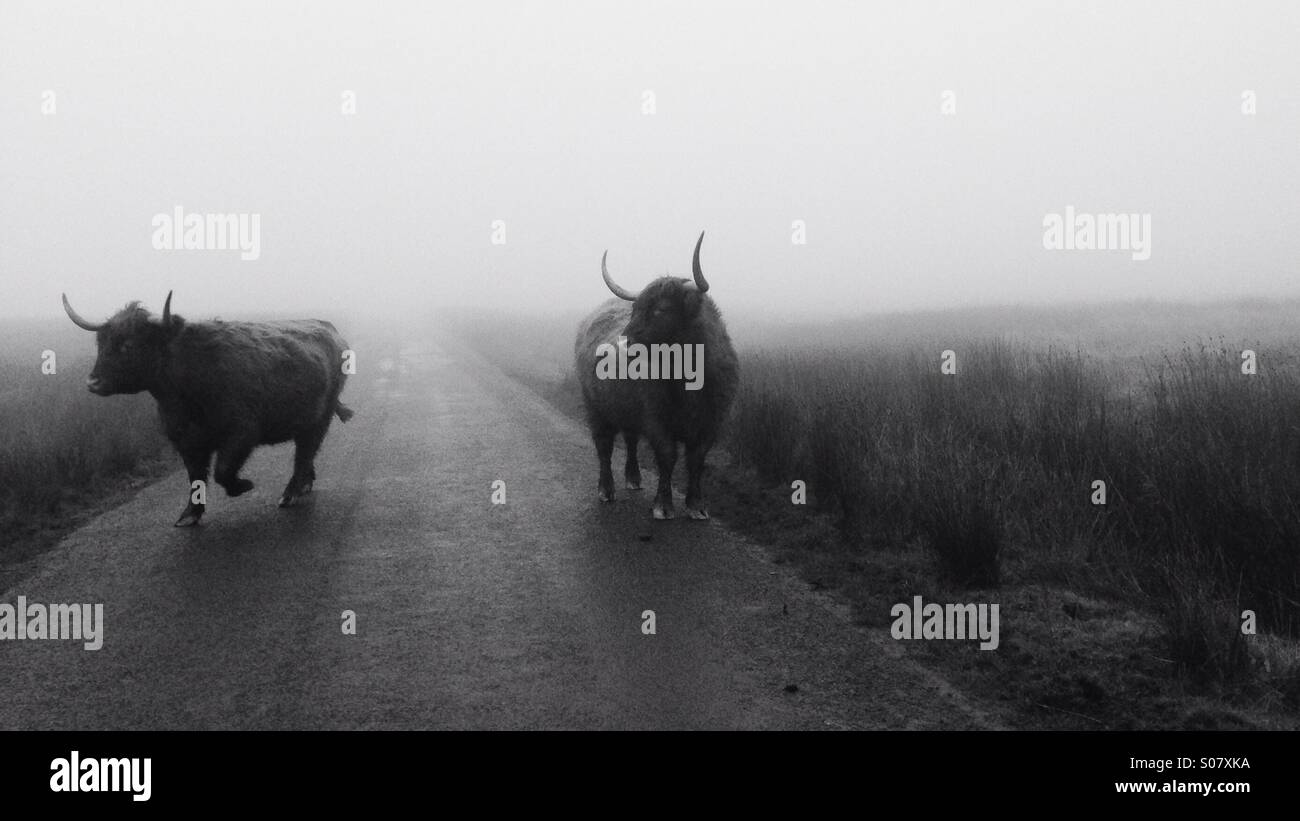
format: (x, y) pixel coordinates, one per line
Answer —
(63, 451)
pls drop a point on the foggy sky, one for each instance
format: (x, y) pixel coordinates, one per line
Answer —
(532, 114)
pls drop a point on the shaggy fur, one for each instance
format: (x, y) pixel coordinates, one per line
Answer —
(227, 387)
(668, 310)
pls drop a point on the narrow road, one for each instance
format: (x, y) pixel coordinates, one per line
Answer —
(469, 615)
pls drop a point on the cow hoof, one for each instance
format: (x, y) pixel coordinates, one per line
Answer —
(288, 500)
(663, 513)
(633, 484)
(188, 519)
(606, 496)
(238, 487)
(697, 513)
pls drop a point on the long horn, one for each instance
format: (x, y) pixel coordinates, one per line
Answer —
(167, 311)
(700, 281)
(77, 319)
(614, 286)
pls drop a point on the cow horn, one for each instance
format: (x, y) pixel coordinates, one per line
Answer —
(77, 319)
(614, 286)
(700, 282)
(167, 311)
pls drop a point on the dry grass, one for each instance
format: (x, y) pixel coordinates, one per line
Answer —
(1203, 499)
(62, 449)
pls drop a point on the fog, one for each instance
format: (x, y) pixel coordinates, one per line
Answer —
(633, 127)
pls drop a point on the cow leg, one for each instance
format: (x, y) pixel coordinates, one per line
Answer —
(196, 465)
(665, 448)
(631, 468)
(231, 457)
(304, 465)
(603, 436)
(695, 453)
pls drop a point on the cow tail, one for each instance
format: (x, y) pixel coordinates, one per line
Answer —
(343, 412)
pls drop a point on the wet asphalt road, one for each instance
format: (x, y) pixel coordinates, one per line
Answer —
(469, 615)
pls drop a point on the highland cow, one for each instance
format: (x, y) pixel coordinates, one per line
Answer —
(225, 388)
(666, 410)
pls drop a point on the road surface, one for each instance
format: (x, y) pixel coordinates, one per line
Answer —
(526, 615)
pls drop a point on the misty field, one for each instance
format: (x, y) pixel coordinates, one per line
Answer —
(62, 449)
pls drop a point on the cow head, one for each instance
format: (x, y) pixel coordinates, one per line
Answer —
(665, 307)
(132, 347)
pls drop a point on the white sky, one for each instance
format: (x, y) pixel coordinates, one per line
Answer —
(532, 114)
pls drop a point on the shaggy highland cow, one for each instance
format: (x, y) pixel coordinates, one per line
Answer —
(225, 388)
(668, 311)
